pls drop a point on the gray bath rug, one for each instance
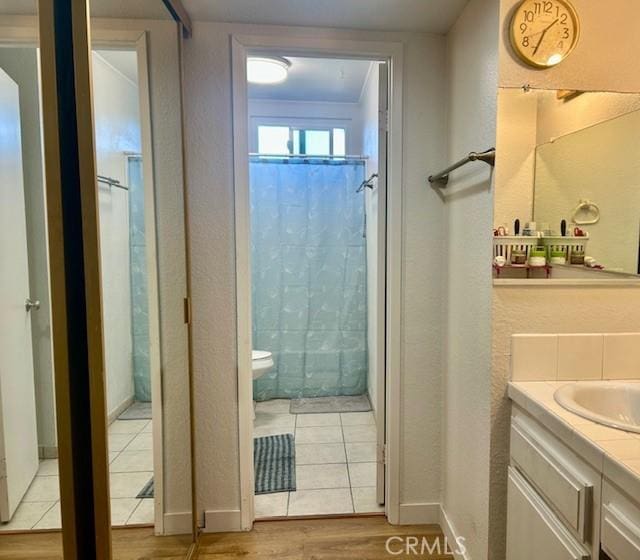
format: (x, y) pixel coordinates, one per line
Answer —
(274, 461)
(318, 405)
(147, 491)
(137, 411)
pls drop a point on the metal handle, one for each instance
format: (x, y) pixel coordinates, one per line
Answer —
(32, 304)
(441, 179)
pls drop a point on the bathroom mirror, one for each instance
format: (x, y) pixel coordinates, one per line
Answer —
(574, 157)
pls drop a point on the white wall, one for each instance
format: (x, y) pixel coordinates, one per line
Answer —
(472, 62)
(21, 65)
(117, 130)
(210, 183)
(369, 132)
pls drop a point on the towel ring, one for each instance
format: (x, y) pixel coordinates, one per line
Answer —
(587, 206)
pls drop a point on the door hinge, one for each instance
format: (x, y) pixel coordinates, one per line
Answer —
(382, 455)
(384, 120)
(187, 311)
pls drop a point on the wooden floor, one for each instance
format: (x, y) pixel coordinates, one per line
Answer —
(319, 539)
(128, 544)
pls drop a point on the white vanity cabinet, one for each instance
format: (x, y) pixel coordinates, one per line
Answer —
(553, 497)
(620, 533)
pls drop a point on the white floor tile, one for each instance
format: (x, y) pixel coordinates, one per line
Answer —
(357, 418)
(128, 484)
(141, 442)
(113, 455)
(359, 434)
(27, 515)
(132, 461)
(148, 429)
(319, 453)
(276, 406)
(43, 489)
(311, 420)
(326, 434)
(365, 500)
(48, 467)
(271, 505)
(143, 514)
(361, 452)
(51, 520)
(122, 508)
(117, 442)
(310, 477)
(362, 474)
(269, 420)
(127, 426)
(320, 502)
(272, 431)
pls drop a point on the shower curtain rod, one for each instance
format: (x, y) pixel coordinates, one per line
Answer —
(112, 182)
(307, 157)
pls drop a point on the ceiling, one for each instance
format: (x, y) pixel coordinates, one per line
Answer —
(126, 62)
(317, 79)
(435, 16)
(136, 9)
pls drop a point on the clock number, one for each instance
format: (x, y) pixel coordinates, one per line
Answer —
(565, 34)
(563, 19)
(525, 41)
(523, 27)
(528, 16)
(547, 7)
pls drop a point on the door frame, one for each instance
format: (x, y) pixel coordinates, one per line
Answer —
(392, 53)
(21, 32)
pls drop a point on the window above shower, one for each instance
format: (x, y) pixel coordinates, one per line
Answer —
(304, 139)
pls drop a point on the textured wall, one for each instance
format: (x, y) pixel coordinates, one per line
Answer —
(472, 78)
(210, 183)
(117, 130)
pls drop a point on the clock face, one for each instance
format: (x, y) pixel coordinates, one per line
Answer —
(543, 33)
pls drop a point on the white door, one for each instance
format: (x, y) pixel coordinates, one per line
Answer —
(383, 111)
(18, 432)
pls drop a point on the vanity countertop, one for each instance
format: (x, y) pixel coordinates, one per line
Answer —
(615, 453)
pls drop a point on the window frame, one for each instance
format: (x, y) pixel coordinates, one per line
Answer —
(301, 124)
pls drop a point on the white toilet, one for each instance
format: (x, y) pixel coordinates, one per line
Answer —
(261, 362)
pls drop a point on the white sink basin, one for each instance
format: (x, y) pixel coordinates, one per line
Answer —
(605, 402)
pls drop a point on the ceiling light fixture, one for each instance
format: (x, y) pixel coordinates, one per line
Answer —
(267, 70)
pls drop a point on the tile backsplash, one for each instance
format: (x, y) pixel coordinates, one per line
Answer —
(571, 357)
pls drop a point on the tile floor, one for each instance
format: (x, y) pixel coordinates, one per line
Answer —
(130, 466)
(335, 462)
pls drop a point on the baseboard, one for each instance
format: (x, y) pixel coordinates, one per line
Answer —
(118, 410)
(222, 521)
(419, 514)
(48, 452)
(178, 523)
(452, 536)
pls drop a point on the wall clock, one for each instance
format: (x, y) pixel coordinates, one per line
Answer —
(544, 32)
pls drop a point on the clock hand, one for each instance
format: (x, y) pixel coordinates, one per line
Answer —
(544, 32)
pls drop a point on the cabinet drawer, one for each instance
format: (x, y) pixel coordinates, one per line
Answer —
(533, 530)
(620, 531)
(548, 466)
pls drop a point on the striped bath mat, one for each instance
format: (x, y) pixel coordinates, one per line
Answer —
(274, 462)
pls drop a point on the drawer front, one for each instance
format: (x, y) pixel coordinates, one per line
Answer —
(620, 531)
(566, 491)
(533, 530)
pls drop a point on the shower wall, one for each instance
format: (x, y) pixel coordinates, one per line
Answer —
(309, 283)
(139, 292)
